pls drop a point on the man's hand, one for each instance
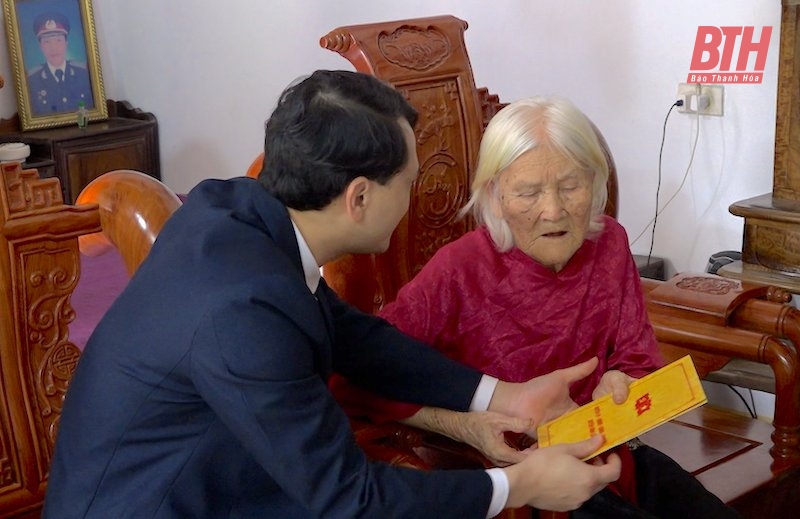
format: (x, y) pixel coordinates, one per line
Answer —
(555, 478)
(614, 382)
(541, 398)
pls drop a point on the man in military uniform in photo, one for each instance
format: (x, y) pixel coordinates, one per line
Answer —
(58, 85)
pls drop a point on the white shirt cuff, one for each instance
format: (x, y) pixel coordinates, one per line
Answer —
(499, 491)
(483, 394)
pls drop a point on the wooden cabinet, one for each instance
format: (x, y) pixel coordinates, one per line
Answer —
(128, 139)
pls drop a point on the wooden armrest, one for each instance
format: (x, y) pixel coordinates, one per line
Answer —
(708, 297)
(133, 209)
(749, 345)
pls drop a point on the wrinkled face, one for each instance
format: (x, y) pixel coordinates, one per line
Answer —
(392, 199)
(546, 201)
(54, 48)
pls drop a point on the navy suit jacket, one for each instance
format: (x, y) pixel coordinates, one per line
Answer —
(202, 393)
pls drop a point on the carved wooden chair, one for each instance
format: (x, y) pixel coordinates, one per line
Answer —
(714, 319)
(39, 270)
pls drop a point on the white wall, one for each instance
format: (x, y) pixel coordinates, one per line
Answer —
(211, 71)
(758, 402)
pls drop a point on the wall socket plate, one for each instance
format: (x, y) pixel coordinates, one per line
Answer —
(702, 99)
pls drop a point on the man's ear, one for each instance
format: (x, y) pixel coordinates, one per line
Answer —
(356, 198)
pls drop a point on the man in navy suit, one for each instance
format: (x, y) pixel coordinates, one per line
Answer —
(202, 393)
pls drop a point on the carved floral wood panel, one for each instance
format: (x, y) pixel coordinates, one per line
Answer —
(778, 248)
(48, 275)
(39, 269)
(425, 62)
(440, 191)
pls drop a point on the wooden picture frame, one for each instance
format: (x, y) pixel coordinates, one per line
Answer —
(54, 61)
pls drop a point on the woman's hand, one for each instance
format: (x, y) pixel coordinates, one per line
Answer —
(483, 430)
(614, 382)
(486, 432)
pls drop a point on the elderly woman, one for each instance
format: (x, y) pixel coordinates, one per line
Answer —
(544, 282)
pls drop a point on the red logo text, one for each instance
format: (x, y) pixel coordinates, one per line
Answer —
(714, 54)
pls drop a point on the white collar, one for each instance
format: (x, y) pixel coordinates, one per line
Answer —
(310, 267)
(53, 69)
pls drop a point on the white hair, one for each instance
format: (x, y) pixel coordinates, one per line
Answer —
(525, 125)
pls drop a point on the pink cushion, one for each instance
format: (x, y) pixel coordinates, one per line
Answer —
(102, 280)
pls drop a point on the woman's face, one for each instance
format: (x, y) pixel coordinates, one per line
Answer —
(546, 201)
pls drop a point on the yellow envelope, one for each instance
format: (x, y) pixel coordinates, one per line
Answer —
(652, 400)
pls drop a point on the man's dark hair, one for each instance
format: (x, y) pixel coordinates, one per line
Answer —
(328, 129)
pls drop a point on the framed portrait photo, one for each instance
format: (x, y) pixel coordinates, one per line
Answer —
(54, 61)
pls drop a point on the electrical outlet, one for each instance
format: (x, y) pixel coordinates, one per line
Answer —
(702, 99)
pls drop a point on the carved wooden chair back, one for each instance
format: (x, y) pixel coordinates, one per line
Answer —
(426, 59)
